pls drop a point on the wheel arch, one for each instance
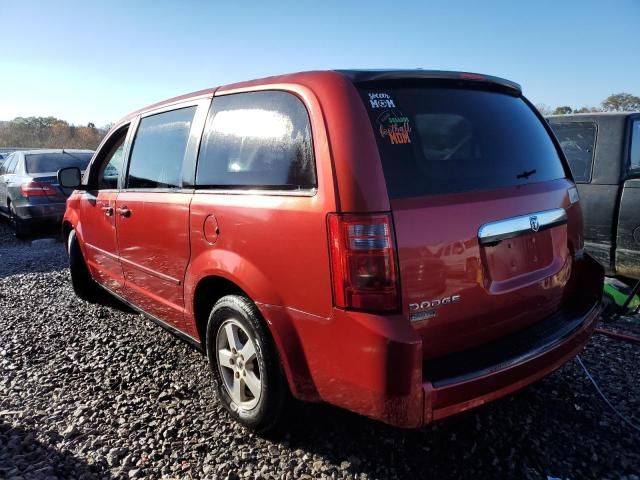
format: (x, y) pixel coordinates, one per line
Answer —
(206, 293)
(70, 221)
(211, 288)
(67, 227)
(211, 274)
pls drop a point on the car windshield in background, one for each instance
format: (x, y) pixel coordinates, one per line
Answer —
(436, 140)
(578, 140)
(52, 162)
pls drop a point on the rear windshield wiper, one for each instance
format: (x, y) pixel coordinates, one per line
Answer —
(526, 174)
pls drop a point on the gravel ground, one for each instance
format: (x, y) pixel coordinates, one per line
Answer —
(95, 391)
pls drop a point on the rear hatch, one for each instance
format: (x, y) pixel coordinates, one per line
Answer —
(480, 204)
(43, 168)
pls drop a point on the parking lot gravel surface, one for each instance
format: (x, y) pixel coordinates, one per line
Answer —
(97, 391)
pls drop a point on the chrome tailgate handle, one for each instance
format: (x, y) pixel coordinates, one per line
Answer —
(494, 232)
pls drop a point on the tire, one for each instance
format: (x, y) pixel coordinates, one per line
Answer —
(257, 406)
(20, 228)
(83, 285)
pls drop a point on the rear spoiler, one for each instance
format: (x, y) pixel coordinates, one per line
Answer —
(366, 76)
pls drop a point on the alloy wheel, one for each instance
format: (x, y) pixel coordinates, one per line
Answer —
(238, 364)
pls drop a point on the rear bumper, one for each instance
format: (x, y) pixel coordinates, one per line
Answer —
(447, 397)
(43, 212)
(373, 365)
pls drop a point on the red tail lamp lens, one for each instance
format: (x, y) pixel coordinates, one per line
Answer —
(35, 189)
(365, 274)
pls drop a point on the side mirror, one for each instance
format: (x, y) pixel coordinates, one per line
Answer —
(69, 177)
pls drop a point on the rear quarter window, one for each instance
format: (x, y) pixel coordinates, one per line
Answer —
(257, 140)
(11, 164)
(438, 140)
(578, 142)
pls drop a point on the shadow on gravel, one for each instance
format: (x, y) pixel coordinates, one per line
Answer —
(23, 456)
(383, 450)
(13, 261)
(39, 253)
(470, 445)
(105, 299)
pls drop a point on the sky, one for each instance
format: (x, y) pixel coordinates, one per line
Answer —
(95, 61)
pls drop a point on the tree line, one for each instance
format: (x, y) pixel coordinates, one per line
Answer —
(49, 132)
(616, 102)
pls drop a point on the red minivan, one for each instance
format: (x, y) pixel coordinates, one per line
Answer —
(403, 244)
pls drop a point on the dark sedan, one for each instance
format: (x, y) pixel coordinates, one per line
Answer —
(29, 192)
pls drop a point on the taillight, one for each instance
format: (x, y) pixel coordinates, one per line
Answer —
(35, 189)
(363, 263)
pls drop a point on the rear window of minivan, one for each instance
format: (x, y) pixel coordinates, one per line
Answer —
(437, 140)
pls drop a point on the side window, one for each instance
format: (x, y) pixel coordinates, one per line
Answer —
(112, 164)
(257, 140)
(578, 140)
(5, 164)
(635, 145)
(11, 164)
(158, 150)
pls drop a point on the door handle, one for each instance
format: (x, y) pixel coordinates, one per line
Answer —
(108, 211)
(124, 212)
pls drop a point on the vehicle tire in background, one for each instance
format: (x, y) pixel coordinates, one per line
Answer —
(83, 285)
(246, 368)
(20, 228)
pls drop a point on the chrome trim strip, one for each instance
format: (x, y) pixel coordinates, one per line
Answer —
(142, 268)
(495, 232)
(280, 193)
(151, 272)
(103, 252)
